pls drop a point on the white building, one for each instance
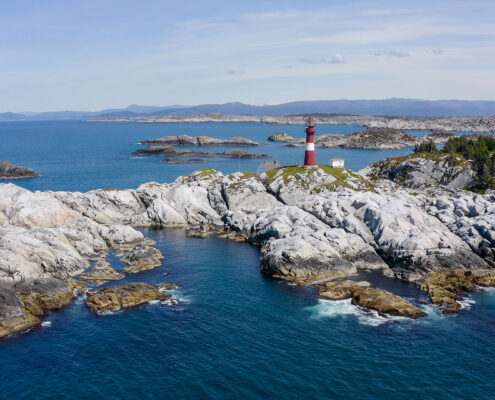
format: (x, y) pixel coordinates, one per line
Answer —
(267, 166)
(336, 162)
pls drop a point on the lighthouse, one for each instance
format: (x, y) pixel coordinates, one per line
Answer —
(309, 155)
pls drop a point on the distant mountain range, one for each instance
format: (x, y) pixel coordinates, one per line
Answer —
(386, 107)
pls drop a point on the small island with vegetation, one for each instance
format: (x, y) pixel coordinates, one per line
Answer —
(465, 161)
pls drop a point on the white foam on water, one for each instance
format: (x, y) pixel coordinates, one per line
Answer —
(46, 324)
(81, 299)
(466, 303)
(178, 295)
(136, 158)
(154, 302)
(292, 284)
(110, 312)
(339, 308)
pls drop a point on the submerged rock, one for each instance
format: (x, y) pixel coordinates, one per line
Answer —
(172, 160)
(168, 286)
(114, 298)
(11, 171)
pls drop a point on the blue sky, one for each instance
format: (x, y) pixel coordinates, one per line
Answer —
(57, 55)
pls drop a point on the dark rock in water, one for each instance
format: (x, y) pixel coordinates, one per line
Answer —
(170, 151)
(11, 171)
(186, 140)
(447, 288)
(172, 160)
(115, 298)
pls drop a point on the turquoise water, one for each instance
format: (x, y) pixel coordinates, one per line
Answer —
(235, 334)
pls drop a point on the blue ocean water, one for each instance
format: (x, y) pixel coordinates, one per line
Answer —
(72, 155)
(235, 334)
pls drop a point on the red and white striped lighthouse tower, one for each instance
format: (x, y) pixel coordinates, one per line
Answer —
(309, 155)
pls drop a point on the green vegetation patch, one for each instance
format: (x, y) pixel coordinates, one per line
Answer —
(343, 177)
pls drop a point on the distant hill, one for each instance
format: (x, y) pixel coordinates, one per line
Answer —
(390, 107)
(8, 116)
(386, 107)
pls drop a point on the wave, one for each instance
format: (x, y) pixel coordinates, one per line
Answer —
(178, 295)
(137, 158)
(46, 324)
(343, 308)
(466, 303)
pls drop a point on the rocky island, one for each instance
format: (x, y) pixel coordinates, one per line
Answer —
(369, 139)
(170, 151)
(186, 140)
(319, 226)
(11, 171)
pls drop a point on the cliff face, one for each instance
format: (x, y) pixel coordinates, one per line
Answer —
(311, 224)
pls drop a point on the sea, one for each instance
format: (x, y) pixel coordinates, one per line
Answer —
(235, 334)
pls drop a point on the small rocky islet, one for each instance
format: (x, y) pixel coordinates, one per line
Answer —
(11, 171)
(319, 226)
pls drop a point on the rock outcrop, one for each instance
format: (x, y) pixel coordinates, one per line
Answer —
(424, 169)
(446, 289)
(186, 140)
(382, 301)
(102, 271)
(11, 171)
(115, 298)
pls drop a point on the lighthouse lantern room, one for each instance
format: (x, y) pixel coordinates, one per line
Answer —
(309, 155)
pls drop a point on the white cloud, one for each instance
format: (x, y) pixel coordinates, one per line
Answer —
(437, 51)
(394, 53)
(235, 71)
(336, 59)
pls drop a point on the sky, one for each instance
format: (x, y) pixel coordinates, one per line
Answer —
(91, 55)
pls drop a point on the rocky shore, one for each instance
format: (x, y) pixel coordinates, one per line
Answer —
(11, 171)
(313, 226)
(460, 124)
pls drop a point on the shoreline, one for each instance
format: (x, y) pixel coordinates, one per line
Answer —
(459, 124)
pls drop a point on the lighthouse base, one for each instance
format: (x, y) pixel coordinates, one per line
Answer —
(310, 158)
